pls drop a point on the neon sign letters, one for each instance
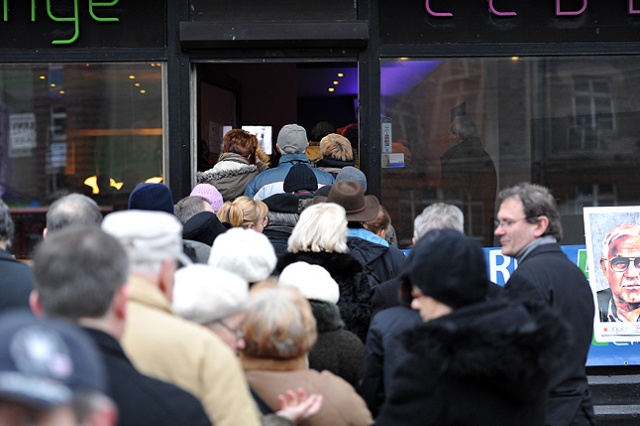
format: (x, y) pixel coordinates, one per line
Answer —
(66, 19)
(559, 10)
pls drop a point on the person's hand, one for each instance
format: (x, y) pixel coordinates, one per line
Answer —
(298, 406)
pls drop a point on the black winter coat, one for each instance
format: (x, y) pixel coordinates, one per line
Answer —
(383, 262)
(546, 275)
(142, 400)
(336, 350)
(356, 286)
(484, 364)
(15, 282)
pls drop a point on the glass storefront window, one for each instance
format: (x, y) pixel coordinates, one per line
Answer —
(571, 124)
(92, 128)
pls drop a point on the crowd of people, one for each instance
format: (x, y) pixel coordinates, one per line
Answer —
(277, 296)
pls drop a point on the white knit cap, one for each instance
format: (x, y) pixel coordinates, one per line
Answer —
(244, 252)
(205, 294)
(147, 236)
(313, 281)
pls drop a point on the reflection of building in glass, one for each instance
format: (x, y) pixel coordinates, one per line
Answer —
(570, 124)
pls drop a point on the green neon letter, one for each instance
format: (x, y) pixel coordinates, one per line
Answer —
(74, 18)
(102, 4)
(33, 10)
(5, 10)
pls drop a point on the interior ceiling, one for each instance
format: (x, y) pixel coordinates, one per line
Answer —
(396, 78)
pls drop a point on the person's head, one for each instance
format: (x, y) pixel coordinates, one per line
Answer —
(153, 242)
(527, 212)
(283, 209)
(351, 173)
(244, 212)
(351, 132)
(380, 224)
(300, 178)
(337, 147)
(51, 374)
(72, 209)
(7, 229)
(78, 273)
(438, 216)
(320, 130)
(620, 263)
(445, 271)
(279, 325)
(350, 195)
(292, 139)
(209, 193)
(245, 253)
(215, 298)
(242, 143)
(321, 228)
(462, 128)
(189, 206)
(152, 197)
(203, 227)
(312, 281)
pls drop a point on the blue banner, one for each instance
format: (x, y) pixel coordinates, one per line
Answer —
(601, 354)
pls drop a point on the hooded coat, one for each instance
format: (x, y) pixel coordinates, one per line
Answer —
(231, 175)
(483, 364)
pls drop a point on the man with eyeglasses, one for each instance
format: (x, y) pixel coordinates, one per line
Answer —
(621, 267)
(528, 227)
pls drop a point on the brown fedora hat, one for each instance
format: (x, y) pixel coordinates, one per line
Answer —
(349, 194)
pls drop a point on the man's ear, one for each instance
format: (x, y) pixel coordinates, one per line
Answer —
(543, 225)
(34, 304)
(120, 302)
(167, 272)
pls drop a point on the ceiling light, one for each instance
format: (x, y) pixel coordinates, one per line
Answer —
(61, 92)
(137, 84)
(331, 89)
(42, 77)
(340, 74)
(132, 77)
(336, 82)
(52, 85)
(515, 58)
(143, 91)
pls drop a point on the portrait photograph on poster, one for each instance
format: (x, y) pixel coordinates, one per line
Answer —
(612, 236)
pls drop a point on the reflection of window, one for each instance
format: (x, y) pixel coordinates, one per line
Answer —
(593, 112)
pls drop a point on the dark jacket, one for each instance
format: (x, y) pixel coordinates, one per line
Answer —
(356, 286)
(384, 352)
(279, 237)
(548, 276)
(337, 350)
(383, 262)
(15, 282)
(483, 364)
(142, 400)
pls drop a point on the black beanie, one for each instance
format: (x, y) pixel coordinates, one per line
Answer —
(204, 227)
(300, 178)
(450, 268)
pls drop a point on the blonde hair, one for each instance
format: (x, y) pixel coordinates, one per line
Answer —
(321, 227)
(279, 324)
(243, 212)
(336, 146)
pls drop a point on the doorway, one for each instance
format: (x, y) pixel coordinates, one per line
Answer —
(263, 97)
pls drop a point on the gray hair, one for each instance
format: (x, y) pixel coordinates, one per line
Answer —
(77, 271)
(536, 201)
(73, 209)
(188, 207)
(464, 126)
(438, 216)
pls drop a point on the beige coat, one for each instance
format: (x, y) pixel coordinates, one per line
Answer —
(342, 406)
(167, 347)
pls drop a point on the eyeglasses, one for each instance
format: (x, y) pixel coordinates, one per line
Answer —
(238, 333)
(620, 264)
(504, 224)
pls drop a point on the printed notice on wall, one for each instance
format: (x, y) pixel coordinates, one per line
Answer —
(22, 134)
(613, 248)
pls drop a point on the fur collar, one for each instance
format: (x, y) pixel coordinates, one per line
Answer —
(498, 340)
(226, 169)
